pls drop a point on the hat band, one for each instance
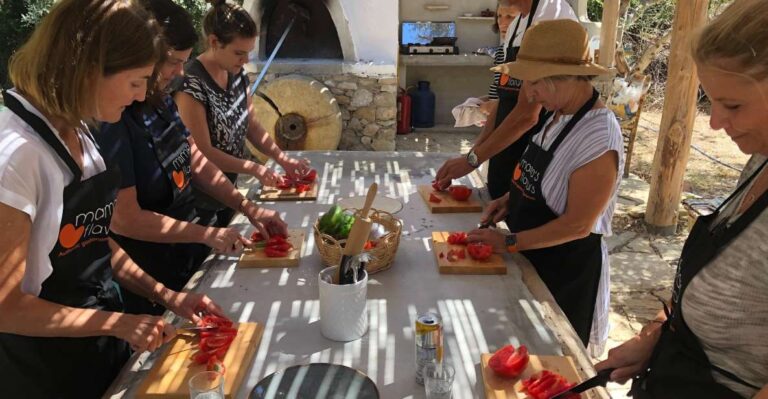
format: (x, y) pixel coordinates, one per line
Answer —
(568, 61)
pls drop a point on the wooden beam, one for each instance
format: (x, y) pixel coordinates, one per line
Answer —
(608, 32)
(673, 146)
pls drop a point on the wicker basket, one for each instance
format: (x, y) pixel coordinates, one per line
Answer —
(382, 255)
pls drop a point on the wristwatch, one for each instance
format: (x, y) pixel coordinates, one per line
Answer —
(510, 241)
(472, 159)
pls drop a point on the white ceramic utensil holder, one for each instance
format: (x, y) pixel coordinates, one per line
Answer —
(343, 309)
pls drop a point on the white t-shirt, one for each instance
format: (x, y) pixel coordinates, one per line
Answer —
(32, 180)
(546, 11)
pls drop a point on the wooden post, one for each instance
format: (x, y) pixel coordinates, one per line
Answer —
(608, 31)
(673, 146)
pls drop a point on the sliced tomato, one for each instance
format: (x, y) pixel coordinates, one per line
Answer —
(215, 321)
(311, 176)
(275, 252)
(461, 253)
(435, 199)
(479, 251)
(302, 188)
(509, 362)
(201, 357)
(546, 384)
(218, 341)
(460, 193)
(436, 186)
(457, 238)
(257, 237)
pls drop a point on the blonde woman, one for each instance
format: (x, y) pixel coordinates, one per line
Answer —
(62, 330)
(713, 342)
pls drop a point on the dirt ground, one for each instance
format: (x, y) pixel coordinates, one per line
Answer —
(703, 176)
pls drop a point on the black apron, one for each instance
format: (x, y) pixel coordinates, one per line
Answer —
(42, 367)
(170, 264)
(500, 165)
(679, 367)
(571, 270)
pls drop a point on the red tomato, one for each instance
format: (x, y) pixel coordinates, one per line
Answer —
(215, 364)
(479, 251)
(285, 185)
(369, 245)
(461, 253)
(436, 186)
(435, 199)
(256, 237)
(457, 238)
(302, 188)
(509, 362)
(275, 252)
(546, 384)
(311, 176)
(460, 193)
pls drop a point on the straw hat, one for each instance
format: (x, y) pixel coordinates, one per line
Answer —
(551, 48)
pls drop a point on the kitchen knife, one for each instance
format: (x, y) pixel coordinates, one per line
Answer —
(196, 330)
(600, 379)
(358, 235)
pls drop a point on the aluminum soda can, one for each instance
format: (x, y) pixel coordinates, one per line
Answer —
(429, 342)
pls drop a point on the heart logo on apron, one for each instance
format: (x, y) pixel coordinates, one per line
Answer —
(69, 235)
(178, 178)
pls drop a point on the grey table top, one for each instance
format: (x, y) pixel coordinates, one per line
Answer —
(480, 313)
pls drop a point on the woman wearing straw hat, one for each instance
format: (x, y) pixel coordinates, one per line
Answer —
(563, 190)
(712, 342)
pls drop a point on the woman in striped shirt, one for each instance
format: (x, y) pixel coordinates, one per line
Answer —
(563, 192)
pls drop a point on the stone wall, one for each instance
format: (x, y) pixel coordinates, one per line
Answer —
(368, 108)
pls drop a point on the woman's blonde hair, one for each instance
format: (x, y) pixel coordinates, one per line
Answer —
(74, 45)
(739, 35)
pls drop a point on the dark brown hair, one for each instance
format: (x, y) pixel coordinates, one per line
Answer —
(77, 42)
(227, 21)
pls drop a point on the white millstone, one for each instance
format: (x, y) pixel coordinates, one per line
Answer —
(330, 83)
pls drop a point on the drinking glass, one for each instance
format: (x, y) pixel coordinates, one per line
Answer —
(438, 380)
(206, 385)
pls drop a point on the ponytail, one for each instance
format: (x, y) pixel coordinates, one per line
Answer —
(227, 21)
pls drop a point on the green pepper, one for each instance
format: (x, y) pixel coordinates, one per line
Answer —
(329, 221)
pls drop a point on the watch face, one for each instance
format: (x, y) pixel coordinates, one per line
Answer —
(472, 159)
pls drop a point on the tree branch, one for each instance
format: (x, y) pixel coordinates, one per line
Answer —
(651, 53)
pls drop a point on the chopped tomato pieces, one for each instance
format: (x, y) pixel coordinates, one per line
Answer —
(479, 251)
(457, 238)
(434, 199)
(214, 344)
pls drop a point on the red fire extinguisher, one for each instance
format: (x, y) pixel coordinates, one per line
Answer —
(403, 112)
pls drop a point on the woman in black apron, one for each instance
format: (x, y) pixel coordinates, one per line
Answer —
(155, 218)
(492, 144)
(62, 333)
(569, 262)
(66, 337)
(668, 359)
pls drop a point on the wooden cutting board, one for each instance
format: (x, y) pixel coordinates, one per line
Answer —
(170, 374)
(493, 265)
(269, 193)
(504, 388)
(448, 204)
(257, 257)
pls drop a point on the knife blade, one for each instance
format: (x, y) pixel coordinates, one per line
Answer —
(601, 379)
(195, 330)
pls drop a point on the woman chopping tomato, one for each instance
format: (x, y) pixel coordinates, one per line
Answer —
(62, 330)
(563, 190)
(155, 220)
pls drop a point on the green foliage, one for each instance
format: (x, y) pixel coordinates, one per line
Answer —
(17, 20)
(595, 10)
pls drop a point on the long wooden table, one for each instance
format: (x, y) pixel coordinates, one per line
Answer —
(480, 313)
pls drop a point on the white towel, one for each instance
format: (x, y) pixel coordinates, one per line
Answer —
(468, 113)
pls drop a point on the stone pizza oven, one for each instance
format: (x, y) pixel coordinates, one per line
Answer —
(333, 83)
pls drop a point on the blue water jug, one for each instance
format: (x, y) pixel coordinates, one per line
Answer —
(423, 106)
